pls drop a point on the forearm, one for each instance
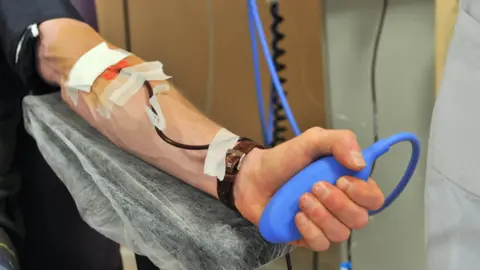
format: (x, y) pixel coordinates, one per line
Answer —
(128, 126)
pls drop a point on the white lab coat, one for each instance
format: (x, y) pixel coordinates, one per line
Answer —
(453, 171)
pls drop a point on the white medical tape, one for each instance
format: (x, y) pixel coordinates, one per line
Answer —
(215, 160)
(92, 64)
(122, 51)
(161, 88)
(158, 120)
(73, 95)
(150, 71)
(120, 95)
(121, 82)
(104, 112)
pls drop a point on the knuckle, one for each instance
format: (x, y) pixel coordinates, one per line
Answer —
(340, 235)
(361, 220)
(319, 214)
(379, 201)
(335, 202)
(347, 133)
(315, 134)
(320, 243)
(315, 130)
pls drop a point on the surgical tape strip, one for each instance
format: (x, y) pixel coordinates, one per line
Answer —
(128, 82)
(150, 71)
(123, 81)
(73, 95)
(217, 151)
(161, 88)
(158, 120)
(91, 65)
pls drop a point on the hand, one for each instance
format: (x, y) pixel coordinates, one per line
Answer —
(328, 213)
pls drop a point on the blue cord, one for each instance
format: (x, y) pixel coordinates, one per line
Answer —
(267, 125)
(255, 17)
(255, 22)
(258, 81)
(414, 158)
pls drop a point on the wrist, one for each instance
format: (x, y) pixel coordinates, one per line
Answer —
(248, 171)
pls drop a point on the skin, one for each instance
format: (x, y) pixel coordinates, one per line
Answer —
(328, 214)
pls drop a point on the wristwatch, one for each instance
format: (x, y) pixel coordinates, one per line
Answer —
(26, 62)
(233, 162)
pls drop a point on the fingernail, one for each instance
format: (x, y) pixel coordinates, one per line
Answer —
(344, 184)
(321, 190)
(307, 203)
(301, 219)
(357, 159)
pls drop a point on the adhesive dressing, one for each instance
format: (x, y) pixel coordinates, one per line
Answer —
(161, 88)
(124, 87)
(91, 65)
(158, 120)
(121, 82)
(215, 160)
(150, 71)
(73, 95)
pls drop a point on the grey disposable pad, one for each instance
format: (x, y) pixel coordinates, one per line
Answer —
(137, 205)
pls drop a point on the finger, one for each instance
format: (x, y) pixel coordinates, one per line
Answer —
(299, 243)
(312, 235)
(338, 203)
(342, 144)
(333, 229)
(366, 194)
(317, 142)
(311, 145)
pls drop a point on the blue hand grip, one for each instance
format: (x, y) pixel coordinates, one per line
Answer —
(277, 224)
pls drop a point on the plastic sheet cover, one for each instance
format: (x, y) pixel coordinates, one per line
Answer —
(137, 205)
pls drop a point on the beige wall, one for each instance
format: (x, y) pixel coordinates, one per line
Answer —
(445, 18)
(177, 34)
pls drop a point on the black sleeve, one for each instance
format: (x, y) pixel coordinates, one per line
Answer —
(17, 15)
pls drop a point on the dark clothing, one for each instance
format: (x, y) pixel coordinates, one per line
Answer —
(46, 229)
(17, 15)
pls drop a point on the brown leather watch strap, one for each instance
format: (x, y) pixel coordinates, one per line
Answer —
(233, 160)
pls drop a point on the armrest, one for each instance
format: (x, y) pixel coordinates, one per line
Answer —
(137, 205)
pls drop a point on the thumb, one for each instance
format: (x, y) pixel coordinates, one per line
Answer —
(299, 152)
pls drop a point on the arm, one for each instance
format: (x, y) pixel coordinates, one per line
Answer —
(63, 41)
(129, 127)
(263, 170)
